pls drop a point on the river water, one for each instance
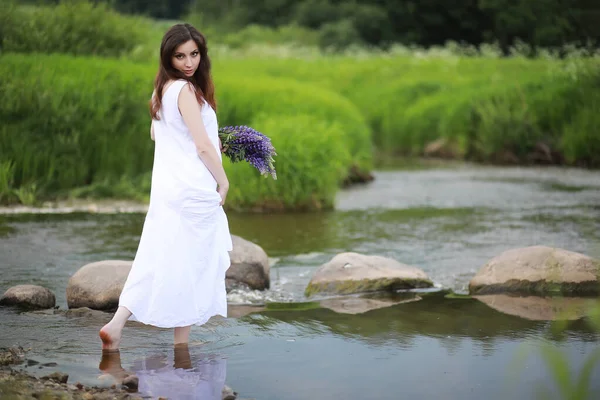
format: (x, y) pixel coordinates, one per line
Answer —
(277, 344)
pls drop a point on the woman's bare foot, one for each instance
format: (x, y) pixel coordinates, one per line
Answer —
(111, 332)
(110, 336)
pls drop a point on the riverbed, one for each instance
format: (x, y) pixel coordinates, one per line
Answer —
(278, 344)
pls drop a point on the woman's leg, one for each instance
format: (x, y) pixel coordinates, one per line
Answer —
(111, 332)
(182, 335)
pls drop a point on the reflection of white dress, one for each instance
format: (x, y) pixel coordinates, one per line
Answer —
(204, 382)
(178, 274)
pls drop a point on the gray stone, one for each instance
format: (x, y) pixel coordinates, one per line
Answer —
(86, 312)
(57, 377)
(131, 383)
(348, 273)
(98, 285)
(228, 394)
(540, 270)
(28, 296)
(12, 355)
(249, 266)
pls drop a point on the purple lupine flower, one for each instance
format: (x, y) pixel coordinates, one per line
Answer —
(242, 143)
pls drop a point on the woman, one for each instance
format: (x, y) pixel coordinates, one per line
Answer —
(178, 275)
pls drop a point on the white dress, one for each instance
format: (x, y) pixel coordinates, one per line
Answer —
(178, 274)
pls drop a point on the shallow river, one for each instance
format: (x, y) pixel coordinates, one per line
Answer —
(279, 345)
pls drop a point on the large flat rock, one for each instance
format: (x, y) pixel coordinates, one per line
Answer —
(348, 273)
(538, 270)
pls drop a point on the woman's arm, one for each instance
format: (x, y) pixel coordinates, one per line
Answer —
(192, 116)
(152, 130)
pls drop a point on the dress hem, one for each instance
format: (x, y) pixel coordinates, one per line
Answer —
(178, 324)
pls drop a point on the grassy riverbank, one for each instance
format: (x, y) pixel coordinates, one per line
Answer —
(76, 124)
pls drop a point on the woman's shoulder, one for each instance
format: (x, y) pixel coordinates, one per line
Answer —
(178, 84)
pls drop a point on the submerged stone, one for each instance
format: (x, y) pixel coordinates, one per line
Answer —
(348, 273)
(538, 270)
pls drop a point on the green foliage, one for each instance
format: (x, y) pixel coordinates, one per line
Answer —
(69, 122)
(154, 8)
(242, 99)
(252, 35)
(541, 23)
(312, 161)
(570, 386)
(338, 35)
(7, 170)
(488, 109)
(72, 26)
(80, 126)
(83, 122)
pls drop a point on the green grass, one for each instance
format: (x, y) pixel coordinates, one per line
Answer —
(79, 126)
(485, 106)
(73, 27)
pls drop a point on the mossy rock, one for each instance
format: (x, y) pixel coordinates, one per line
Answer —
(538, 270)
(349, 273)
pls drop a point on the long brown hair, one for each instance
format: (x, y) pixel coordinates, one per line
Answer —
(202, 80)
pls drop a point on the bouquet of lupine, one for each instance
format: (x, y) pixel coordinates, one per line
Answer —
(242, 143)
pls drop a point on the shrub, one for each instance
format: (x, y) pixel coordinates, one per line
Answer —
(73, 27)
(311, 163)
(242, 99)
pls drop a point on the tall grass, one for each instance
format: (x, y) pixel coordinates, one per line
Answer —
(83, 122)
(72, 26)
(72, 122)
(312, 162)
(490, 109)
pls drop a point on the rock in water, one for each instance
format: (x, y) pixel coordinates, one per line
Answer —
(538, 270)
(356, 273)
(98, 285)
(131, 383)
(28, 296)
(228, 394)
(57, 377)
(13, 355)
(249, 265)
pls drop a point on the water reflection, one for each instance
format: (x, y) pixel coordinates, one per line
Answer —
(178, 375)
(538, 308)
(401, 319)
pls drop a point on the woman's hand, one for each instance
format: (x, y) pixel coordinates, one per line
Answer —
(223, 189)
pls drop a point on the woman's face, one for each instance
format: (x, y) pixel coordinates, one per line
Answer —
(186, 58)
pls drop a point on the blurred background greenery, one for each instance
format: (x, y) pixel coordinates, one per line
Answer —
(340, 86)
